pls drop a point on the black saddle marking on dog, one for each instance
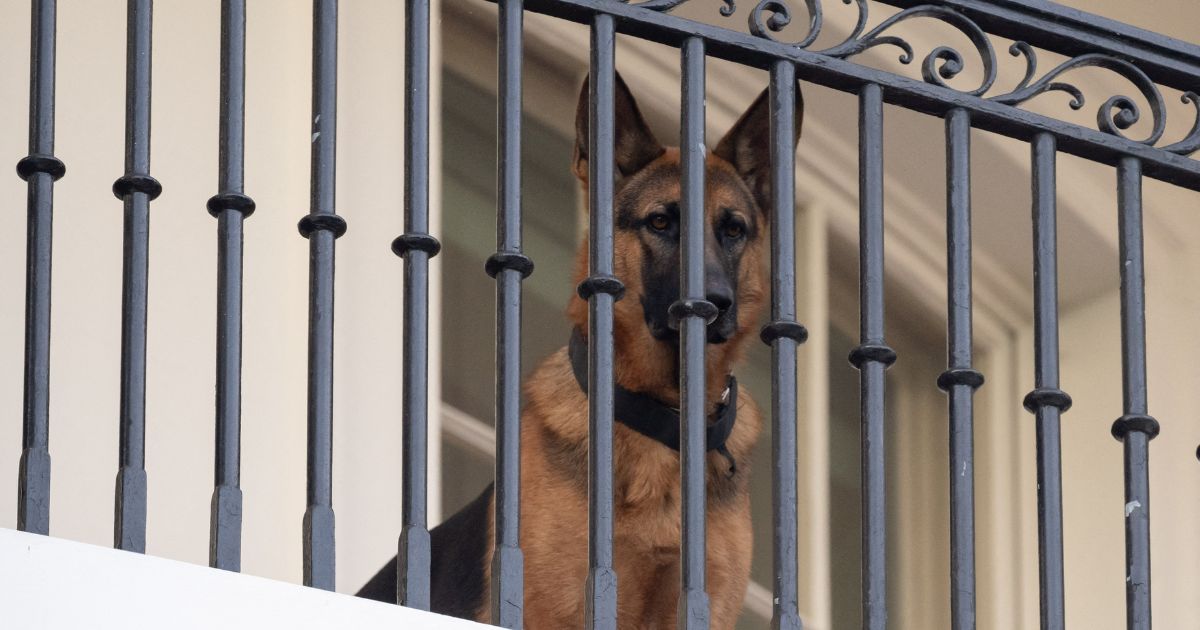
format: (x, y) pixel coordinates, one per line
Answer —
(459, 546)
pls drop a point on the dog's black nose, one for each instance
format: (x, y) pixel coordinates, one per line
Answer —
(721, 296)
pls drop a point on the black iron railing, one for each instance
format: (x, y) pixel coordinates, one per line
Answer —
(509, 266)
(137, 189)
(40, 169)
(321, 226)
(873, 355)
(1047, 401)
(416, 247)
(1145, 59)
(230, 207)
(601, 289)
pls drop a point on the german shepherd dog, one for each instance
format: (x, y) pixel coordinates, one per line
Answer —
(554, 422)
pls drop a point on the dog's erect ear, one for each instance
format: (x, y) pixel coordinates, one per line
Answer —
(634, 146)
(747, 146)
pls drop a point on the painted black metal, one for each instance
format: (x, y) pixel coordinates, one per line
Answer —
(784, 334)
(872, 357)
(601, 290)
(695, 312)
(775, 330)
(230, 206)
(1072, 32)
(960, 380)
(848, 76)
(136, 188)
(1136, 427)
(416, 246)
(321, 227)
(508, 266)
(1047, 402)
(40, 169)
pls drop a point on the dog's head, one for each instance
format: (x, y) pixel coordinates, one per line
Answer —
(646, 208)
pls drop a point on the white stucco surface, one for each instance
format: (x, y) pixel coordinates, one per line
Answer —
(50, 583)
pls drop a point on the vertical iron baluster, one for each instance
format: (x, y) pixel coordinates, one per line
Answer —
(230, 207)
(508, 266)
(601, 289)
(960, 380)
(416, 247)
(692, 314)
(137, 189)
(1136, 427)
(322, 226)
(40, 169)
(1047, 401)
(783, 334)
(872, 357)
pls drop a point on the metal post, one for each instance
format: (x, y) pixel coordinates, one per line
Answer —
(416, 247)
(322, 226)
(40, 169)
(508, 266)
(960, 380)
(694, 313)
(1136, 427)
(783, 334)
(1047, 401)
(136, 188)
(230, 207)
(601, 289)
(872, 357)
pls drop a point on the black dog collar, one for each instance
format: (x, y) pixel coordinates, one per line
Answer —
(653, 418)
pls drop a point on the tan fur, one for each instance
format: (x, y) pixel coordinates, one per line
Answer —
(554, 437)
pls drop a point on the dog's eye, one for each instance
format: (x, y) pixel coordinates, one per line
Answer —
(734, 230)
(659, 222)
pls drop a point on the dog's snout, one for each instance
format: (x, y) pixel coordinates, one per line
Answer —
(718, 289)
(719, 293)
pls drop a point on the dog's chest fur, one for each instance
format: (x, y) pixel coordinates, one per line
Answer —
(646, 477)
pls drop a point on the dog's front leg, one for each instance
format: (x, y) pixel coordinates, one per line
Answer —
(730, 543)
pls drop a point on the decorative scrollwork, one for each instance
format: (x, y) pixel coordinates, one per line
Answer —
(1118, 113)
(1191, 142)
(771, 16)
(942, 63)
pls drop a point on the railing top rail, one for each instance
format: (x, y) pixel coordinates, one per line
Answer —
(929, 97)
(1072, 32)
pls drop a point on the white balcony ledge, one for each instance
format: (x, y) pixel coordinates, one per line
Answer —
(50, 583)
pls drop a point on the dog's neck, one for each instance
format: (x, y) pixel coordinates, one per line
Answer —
(651, 366)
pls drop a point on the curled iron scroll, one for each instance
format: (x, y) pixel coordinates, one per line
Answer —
(1116, 114)
(771, 16)
(943, 63)
(1191, 142)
